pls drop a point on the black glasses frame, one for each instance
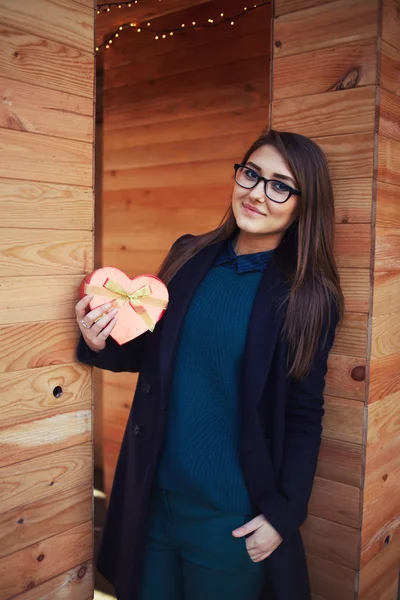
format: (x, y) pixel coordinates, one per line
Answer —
(292, 191)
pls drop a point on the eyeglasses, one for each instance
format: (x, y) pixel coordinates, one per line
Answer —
(275, 190)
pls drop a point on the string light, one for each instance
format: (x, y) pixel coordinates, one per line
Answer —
(162, 33)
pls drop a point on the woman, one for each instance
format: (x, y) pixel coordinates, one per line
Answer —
(220, 451)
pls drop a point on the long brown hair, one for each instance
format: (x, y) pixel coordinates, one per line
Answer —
(305, 254)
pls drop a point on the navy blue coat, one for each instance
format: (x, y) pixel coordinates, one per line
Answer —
(281, 431)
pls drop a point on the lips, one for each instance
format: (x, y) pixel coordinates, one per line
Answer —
(253, 209)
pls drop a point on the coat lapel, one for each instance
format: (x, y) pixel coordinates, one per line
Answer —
(181, 289)
(264, 327)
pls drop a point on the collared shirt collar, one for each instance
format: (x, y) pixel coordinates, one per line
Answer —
(243, 263)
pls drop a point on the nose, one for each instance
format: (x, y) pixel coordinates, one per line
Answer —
(257, 192)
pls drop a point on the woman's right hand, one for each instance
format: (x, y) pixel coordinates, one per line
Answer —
(95, 325)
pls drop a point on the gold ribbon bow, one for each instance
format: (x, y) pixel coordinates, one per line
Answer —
(137, 299)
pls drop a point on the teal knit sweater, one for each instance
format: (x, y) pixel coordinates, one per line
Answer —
(201, 456)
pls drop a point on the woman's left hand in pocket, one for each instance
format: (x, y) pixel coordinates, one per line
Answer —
(262, 538)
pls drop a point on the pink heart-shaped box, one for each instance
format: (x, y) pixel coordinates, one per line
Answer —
(129, 323)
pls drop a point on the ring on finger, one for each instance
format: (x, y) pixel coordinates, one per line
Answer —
(85, 325)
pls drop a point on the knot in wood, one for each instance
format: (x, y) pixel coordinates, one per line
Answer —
(81, 573)
(349, 81)
(358, 373)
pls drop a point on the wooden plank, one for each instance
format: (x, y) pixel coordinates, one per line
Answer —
(44, 476)
(204, 172)
(34, 345)
(43, 158)
(391, 23)
(348, 154)
(331, 541)
(233, 121)
(387, 248)
(125, 202)
(389, 115)
(188, 59)
(387, 205)
(122, 231)
(356, 288)
(386, 292)
(389, 160)
(351, 335)
(321, 70)
(39, 61)
(353, 200)
(331, 113)
(27, 107)
(383, 418)
(335, 501)
(45, 560)
(330, 580)
(390, 68)
(214, 100)
(328, 24)
(180, 152)
(343, 420)
(34, 394)
(42, 252)
(384, 376)
(380, 577)
(26, 525)
(353, 245)
(65, 21)
(340, 461)
(27, 299)
(239, 73)
(28, 204)
(346, 377)
(385, 335)
(48, 434)
(283, 7)
(73, 584)
(382, 488)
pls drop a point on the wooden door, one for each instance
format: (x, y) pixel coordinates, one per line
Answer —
(46, 195)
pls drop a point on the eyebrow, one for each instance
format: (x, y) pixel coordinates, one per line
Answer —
(279, 175)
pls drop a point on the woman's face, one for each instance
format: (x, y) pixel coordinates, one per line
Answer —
(255, 213)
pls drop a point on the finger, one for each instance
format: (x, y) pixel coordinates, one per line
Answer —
(80, 308)
(247, 528)
(107, 330)
(96, 314)
(103, 321)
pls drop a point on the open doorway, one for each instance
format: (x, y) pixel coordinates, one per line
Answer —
(173, 115)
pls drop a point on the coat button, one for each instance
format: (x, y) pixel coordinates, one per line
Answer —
(146, 388)
(136, 430)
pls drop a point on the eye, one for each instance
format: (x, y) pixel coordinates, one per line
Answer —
(250, 174)
(280, 187)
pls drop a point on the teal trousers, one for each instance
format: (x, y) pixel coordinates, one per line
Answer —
(191, 554)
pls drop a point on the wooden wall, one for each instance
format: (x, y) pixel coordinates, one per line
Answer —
(46, 154)
(177, 115)
(336, 74)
